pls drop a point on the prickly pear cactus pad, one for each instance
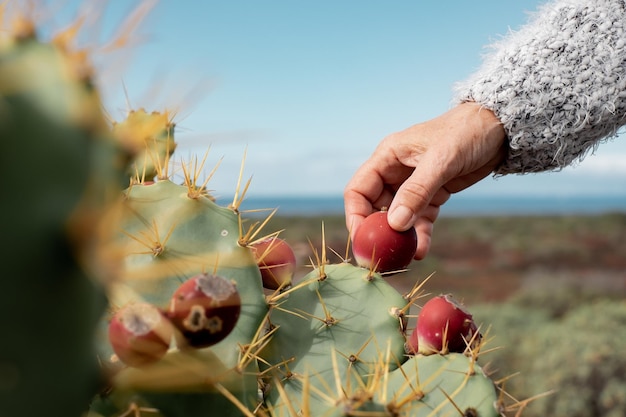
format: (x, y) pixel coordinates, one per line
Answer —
(168, 234)
(440, 385)
(435, 386)
(61, 170)
(340, 310)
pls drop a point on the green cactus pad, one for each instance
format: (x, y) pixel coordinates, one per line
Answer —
(166, 237)
(440, 385)
(425, 386)
(60, 169)
(183, 384)
(336, 322)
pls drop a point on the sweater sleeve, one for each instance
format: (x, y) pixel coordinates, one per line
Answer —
(558, 84)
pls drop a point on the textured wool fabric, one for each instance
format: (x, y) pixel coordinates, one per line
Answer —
(558, 84)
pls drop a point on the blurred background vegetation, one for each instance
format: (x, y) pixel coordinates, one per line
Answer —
(551, 290)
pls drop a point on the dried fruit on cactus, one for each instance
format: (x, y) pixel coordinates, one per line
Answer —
(379, 247)
(205, 309)
(139, 334)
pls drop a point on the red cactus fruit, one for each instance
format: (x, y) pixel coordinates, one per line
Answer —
(443, 325)
(139, 334)
(377, 246)
(276, 261)
(204, 309)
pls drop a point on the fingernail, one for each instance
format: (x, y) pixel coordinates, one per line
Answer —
(401, 218)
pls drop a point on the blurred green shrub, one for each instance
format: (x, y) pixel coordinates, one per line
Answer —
(575, 349)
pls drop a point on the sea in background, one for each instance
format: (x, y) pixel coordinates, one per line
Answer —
(459, 205)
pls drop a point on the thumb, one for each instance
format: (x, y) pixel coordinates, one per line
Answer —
(414, 195)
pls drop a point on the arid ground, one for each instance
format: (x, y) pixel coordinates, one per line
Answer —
(491, 258)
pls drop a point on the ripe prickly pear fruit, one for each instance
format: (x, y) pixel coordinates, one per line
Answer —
(443, 325)
(380, 248)
(276, 261)
(205, 309)
(139, 334)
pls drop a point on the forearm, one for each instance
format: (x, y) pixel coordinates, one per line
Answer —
(558, 85)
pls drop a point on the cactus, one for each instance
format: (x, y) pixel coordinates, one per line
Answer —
(452, 384)
(149, 137)
(169, 234)
(340, 324)
(436, 385)
(336, 309)
(61, 168)
(108, 262)
(339, 339)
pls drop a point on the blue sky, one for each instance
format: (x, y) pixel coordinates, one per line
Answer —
(309, 88)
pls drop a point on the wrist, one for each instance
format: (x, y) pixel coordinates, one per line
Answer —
(488, 129)
(489, 124)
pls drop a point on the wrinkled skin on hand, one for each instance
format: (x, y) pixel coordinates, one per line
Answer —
(414, 171)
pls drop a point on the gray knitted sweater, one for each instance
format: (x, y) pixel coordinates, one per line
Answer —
(558, 85)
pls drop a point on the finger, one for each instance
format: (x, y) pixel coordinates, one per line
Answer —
(424, 231)
(357, 206)
(416, 194)
(424, 228)
(384, 200)
(364, 194)
(441, 196)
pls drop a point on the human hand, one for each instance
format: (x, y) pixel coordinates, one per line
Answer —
(414, 172)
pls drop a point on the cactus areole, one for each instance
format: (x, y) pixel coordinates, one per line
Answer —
(205, 309)
(380, 248)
